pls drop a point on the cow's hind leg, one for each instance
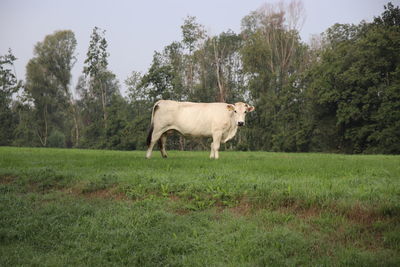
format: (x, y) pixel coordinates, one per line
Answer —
(162, 142)
(154, 138)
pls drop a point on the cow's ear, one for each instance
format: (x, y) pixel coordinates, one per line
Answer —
(250, 109)
(230, 107)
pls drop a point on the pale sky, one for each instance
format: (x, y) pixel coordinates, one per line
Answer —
(135, 29)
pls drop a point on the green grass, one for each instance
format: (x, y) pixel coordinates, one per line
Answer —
(93, 207)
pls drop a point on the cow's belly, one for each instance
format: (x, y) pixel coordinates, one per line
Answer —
(192, 122)
(196, 130)
(206, 129)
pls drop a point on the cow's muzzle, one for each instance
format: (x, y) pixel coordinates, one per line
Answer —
(240, 123)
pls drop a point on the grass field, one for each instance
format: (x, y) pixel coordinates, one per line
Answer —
(90, 207)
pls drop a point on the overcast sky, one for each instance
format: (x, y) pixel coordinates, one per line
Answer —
(135, 29)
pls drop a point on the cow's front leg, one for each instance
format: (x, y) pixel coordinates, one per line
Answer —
(215, 145)
(212, 154)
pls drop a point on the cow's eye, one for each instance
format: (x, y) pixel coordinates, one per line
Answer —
(235, 111)
(245, 111)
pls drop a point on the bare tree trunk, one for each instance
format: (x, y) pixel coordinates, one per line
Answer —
(103, 102)
(221, 87)
(43, 137)
(181, 143)
(189, 73)
(191, 76)
(46, 127)
(76, 132)
(75, 115)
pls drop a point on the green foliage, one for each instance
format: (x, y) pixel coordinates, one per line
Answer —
(159, 79)
(56, 139)
(357, 78)
(48, 75)
(102, 123)
(8, 86)
(192, 32)
(390, 17)
(96, 61)
(275, 61)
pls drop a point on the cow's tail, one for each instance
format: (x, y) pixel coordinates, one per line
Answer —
(149, 135)
(155, 107)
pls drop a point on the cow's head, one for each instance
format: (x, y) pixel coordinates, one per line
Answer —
(239, 111)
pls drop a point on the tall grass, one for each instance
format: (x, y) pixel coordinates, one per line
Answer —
(88, 207)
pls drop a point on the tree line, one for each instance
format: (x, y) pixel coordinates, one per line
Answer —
(338, 93)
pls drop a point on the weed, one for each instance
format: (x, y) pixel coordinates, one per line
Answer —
(134, 192)
(105, 181)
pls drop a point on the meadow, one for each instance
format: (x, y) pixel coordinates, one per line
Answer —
(107, 208)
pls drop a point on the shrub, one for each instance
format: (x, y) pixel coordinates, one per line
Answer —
(56, 139)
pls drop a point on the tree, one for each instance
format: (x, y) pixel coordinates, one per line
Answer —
(96, 68)
(8, 86)
(358, 81)
(98, 90)
(92, 112)
(390, 17)
(193, 33)
(47, 83)
(25, 133)
(226, 63)
(136, 92)
(158, 80)
(273, 60)
(139, 108)
(164, 79)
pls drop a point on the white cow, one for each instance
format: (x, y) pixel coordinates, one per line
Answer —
(217, 120)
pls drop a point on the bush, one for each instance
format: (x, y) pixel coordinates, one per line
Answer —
(56, 139)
